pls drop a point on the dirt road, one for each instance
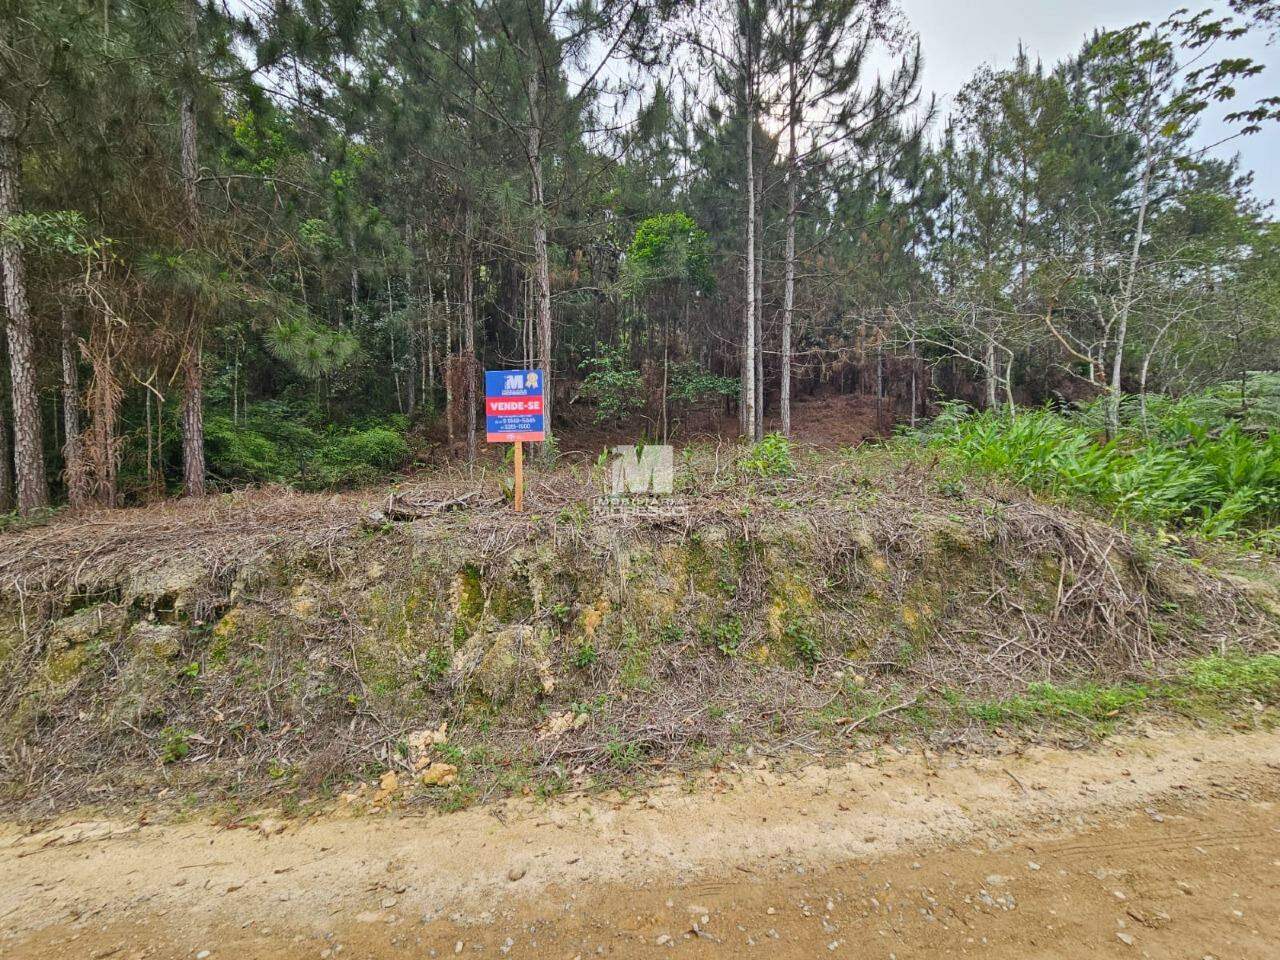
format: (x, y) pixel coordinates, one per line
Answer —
(1166, 845)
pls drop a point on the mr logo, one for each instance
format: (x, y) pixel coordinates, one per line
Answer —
(515, 381)
(641, 470)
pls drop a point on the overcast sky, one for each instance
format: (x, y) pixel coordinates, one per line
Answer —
(957, 36)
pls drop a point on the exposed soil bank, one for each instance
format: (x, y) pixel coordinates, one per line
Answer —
(270, 648)
(1166, 845)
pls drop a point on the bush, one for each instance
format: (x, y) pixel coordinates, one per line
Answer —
(1217, 478)
(770, 457)
(359, 456)
(243, 453)
(616, 389)
(690, 384)
(273, 446)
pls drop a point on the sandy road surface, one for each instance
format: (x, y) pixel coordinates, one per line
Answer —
(1160, 846)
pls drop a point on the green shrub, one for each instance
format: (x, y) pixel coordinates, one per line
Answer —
(359, 456)
(690, 383)
(242, 453)
(770, 457)
(175, 744)
(807, 647)
(616, 388)
(273, 445)
(726, 636)
(1219, 480)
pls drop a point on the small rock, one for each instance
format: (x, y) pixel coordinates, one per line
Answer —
(204, 955)
(663, 939)
(457, 947)
(388, 784)
(439, 774)
(1125, 938)
(515, 873)
(388, 903)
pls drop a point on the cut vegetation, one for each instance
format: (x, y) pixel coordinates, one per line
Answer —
(289, 648)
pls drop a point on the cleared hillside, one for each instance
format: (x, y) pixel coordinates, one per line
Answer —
(427, 645)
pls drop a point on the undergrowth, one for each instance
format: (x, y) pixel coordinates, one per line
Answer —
(1205, 685)
(1199, 463)
(271, 445)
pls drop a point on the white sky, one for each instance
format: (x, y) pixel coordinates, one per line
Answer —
(957, 36)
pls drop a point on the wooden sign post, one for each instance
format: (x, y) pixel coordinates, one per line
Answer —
(519, 492)
(513, 414)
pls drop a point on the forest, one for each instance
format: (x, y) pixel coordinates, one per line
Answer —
(252, 241)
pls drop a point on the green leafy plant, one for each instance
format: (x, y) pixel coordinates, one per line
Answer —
(690, 383)
(799, 635)
(1215, 477)
(769, 457)
(726, 636)
(584, 655)
(175, 744)
(273, 444)
(616, 389)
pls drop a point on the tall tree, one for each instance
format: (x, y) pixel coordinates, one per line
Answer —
(822, 49)
(193, 461)
(33, 49)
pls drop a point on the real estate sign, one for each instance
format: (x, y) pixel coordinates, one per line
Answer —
(513, 406)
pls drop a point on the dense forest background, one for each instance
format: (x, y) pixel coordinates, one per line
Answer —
(277, 241)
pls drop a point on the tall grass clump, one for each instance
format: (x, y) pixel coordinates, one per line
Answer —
(1187, 464)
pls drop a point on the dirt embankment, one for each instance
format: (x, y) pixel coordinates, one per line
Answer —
(1166, 845)
(269, 645)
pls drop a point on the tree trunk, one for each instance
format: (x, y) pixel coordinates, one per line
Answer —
(73, 470)
(102, 451)
(28, 441)
(788, 293)
(450, 413)
(1122, 324)
(1142, 390)
(748, 400)
(469, 338)
(915, 371)
(758, 430)
(353, 280)
(428, 367)
(193, 466)
(541, 259)
(6, 446)
(989, 362)
(789, 282)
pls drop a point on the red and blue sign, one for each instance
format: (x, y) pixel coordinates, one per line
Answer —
(513, 406)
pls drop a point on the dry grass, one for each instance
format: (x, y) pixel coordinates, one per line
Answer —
(908, 583)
